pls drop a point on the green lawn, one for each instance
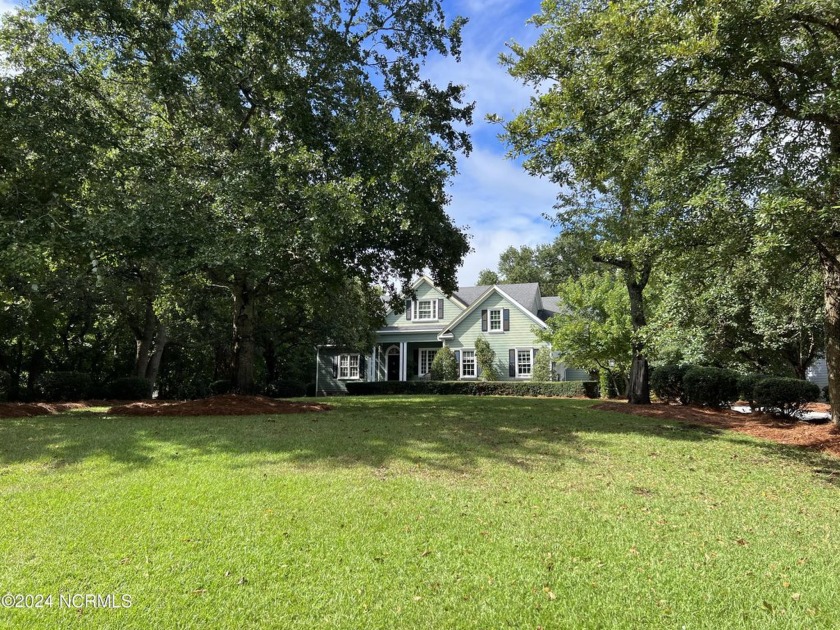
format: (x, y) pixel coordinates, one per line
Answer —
(416, 512)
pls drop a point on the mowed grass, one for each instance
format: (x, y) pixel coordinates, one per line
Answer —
(416, 512)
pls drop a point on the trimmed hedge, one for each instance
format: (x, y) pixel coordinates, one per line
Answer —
(285, 389)
(746, 387)
(63, 386)
(785, 395)
(712, 387)
(666, 381)
(129, 388)
(564, 389)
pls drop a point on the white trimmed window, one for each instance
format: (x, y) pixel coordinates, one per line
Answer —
(348, 366)
(425, 309)
(524, 360)
(495, 319)
(427, 355)
(468, 363)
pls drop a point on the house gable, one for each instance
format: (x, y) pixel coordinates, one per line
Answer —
(467, 328)
(425, 290)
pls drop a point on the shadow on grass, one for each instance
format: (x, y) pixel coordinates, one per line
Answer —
(451, 434)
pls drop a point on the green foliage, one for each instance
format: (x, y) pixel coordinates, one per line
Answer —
(129, 388)
(605, 388)
(487, 277)
(589, 389)
(710, 386)
(444, 365)
(593, 331)
(222, 386)
(5, 385)
(785, 395)
(666, 381)
(826, 395)
(485, 356)
(63, 386)
(541, 370)
(746, 387)
(286, 389)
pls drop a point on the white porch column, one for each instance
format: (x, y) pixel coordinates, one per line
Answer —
(374, 367)
(403, 360)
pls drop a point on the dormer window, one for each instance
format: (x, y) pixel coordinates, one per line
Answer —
(425, 309)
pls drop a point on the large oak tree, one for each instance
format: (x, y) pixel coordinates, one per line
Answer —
(720, 97)
(271, 147)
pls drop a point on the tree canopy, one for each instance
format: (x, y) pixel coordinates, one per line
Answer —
(279, 151)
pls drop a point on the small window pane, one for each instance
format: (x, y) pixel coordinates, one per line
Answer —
(496, 320)
(523, 363)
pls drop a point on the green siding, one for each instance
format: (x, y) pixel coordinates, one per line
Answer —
(396, 338)
(425, 291)
(520, 335)
(329, 384)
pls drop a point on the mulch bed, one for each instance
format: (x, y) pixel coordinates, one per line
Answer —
(27, 410)
(226, 405)
(819, 437)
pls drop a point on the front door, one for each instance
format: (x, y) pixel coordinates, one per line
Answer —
(393, 367)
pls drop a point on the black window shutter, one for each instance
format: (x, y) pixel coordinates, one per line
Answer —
(362, 366)
(458, 361)
(417, 359)
(335, 367)
(408, 310)
(440, 308)
(506, 316)
(511, 362)
(484, 320)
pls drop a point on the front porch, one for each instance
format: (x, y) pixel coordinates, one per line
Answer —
(402, 360)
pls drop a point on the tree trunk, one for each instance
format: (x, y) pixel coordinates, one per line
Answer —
(638, 389)
(831, 283)
(144, 341)
(153, 368)
(244, 348)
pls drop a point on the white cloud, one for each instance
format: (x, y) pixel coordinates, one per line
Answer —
(8, 7)
(502, 206)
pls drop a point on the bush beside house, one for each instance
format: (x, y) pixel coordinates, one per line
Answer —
(444, 366)
(565, 389)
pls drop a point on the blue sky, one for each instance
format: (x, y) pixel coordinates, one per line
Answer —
(492, 197)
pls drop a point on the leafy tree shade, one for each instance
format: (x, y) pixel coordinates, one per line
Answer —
(594, 331)
(728, 97)
(274, 149)
(568, 256)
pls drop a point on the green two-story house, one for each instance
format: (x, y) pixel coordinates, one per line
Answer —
(507, 315)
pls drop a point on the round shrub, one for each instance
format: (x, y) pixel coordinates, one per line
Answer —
(285, 389)
(746, 387)
(666, 381)
(63, 386)
(826, 395)
(444, 366)
(785, 396)
(129, 388)
(711, 387)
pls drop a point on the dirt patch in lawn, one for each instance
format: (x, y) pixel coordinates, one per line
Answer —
(27, 410)
(820, 437)
(226, 405)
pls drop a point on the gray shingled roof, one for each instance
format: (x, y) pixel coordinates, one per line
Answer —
(526, 294)
(551, 305)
